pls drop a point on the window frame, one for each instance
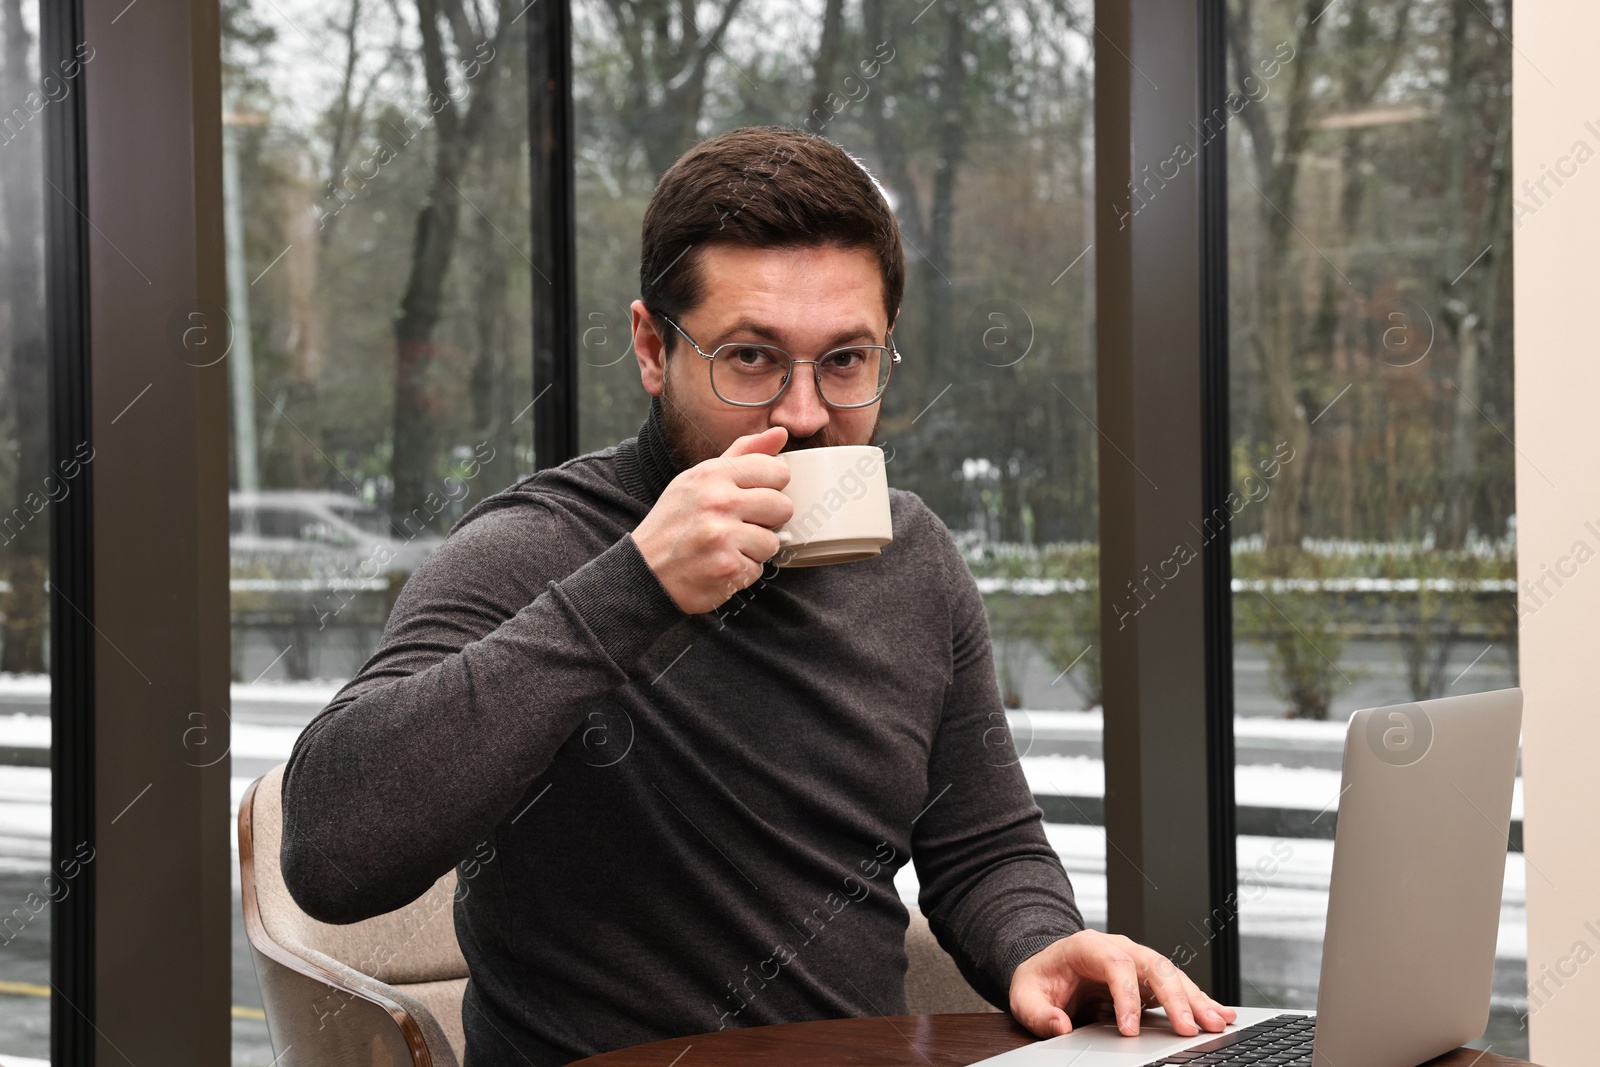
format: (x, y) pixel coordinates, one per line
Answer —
(1162, 366)
(141, 945)
(72, 659)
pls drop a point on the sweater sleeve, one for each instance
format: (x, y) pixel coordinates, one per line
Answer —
(479, 679)
(992, 888)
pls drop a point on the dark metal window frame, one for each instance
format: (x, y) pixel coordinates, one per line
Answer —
(72, 751)
(555, 304)
(1216, 436)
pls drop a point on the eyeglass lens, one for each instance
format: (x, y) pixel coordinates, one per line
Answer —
(754, 374)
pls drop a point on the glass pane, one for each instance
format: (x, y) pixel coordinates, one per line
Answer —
(1374, 541)
(382, 384)
(28, 487)
(977, 120)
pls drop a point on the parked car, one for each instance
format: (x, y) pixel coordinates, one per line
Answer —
(327, 531)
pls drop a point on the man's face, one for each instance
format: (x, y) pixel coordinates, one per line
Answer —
(804, 300)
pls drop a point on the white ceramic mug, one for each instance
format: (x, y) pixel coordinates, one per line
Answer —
(841, 506)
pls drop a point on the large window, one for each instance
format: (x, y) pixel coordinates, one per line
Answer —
(977, 120)
(1373, 549)
(381, 287)
(376, 200)
(377, 369)
(29, 488)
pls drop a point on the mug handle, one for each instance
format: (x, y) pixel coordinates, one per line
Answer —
(787, 548)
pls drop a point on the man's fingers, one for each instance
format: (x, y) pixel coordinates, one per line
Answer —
(766, 507)
(768, 442)
(1186, 1006)
(757, 544)
(1132, 975)
(1122, 979)
(758, 471)
(753, 459)
(1033, 1008)
(1172, 988)
(1207, 1012)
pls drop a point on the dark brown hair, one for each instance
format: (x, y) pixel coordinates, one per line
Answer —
(765, 187)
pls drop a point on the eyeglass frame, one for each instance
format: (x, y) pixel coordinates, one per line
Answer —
(816, 374)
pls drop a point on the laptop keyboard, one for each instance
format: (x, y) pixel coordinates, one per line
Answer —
(1281, 1041)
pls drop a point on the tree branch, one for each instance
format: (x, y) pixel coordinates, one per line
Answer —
(433, 67)
(714, 42)
(1255, 120)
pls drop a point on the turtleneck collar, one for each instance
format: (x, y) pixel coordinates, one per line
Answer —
(647, 466)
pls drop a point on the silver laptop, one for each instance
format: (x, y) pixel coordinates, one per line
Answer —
(1413, 907)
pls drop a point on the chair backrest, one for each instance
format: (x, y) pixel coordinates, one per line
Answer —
(332, 989)
(934, 985)
(336, 995)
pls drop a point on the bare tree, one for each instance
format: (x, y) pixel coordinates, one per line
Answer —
(298, 462)
(1471, 312)
(668, 57)
(312, 211)
(346, 117)
(827, 62)
(1368, 61)
(458, 125)
(1277, 160)
(502, 181)
(1061, 497)
(346, 114)
(928, 231)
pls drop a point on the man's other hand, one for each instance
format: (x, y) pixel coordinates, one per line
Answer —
(714, 527)
(1052, 985)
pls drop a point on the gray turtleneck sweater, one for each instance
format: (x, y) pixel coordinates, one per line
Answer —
(669, 823)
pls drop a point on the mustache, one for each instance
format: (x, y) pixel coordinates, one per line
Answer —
(821, 439)
(826, 438)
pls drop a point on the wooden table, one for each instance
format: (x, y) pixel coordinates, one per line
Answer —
(909, 1040)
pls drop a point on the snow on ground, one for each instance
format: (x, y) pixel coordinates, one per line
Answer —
(36, 686)
(25, 819)
(1283, 881)
(1245, 728)
(25, 731)
(1255, 786)
(316, 693)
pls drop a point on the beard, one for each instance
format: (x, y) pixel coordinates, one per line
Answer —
(692, 445)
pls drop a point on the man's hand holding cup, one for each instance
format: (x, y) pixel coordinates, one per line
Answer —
(713, 529)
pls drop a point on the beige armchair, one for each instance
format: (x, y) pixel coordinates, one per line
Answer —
(388, 990)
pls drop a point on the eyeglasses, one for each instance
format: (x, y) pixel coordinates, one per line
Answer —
(755, 375)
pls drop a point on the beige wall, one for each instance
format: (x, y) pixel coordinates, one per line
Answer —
(1557, 249)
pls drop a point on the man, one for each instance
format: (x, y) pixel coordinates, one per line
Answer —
(696, 774)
